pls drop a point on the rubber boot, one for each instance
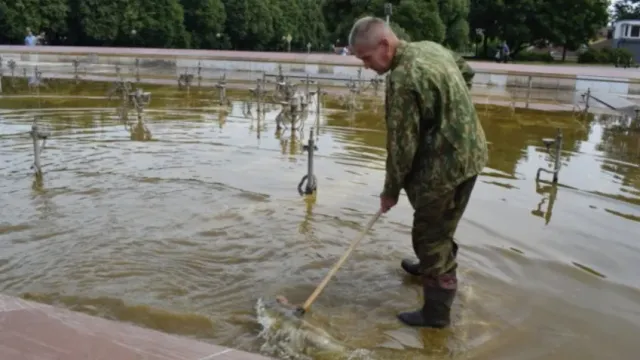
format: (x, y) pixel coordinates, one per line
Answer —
(438, 297)
(411, 267)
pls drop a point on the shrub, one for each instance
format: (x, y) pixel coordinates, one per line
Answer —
(618, 56)
(592, 56)
(533, 56)
(622, 57)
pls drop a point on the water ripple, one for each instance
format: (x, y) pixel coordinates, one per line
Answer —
(206, 218)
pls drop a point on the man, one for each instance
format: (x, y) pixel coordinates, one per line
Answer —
(505, 52)
(42, 38)
(30, 39)
(436, 148)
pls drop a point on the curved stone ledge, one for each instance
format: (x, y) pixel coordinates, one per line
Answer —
(36, 331)
(326, 69)
(92, 53)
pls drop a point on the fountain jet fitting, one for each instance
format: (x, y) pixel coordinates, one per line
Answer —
(36, 136)
(556, 156)
(309, 181)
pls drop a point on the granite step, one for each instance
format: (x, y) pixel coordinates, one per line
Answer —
(34, 331)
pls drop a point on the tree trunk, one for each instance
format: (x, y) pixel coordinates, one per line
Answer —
(485, 46)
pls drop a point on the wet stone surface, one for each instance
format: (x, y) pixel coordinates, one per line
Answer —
(36, 331)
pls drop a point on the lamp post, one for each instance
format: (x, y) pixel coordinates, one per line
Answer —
(388, 10)
(133, 36)
(479, 35)
(288, 39)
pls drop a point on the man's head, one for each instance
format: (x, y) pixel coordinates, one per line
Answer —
(372, 41)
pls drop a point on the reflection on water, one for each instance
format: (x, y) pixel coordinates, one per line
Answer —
(546, 202)
(185, 232)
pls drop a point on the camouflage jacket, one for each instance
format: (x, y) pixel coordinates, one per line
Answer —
(434, 138)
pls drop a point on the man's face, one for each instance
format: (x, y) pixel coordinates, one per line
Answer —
(376, 57)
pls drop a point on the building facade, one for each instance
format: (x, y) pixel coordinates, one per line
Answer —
(626, 34)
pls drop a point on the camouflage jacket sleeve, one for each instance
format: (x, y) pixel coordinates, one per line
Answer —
(465, 69)
(403, 132)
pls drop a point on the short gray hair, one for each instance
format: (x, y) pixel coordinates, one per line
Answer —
(367, 30)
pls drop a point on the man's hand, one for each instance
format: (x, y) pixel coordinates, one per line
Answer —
(386, 203)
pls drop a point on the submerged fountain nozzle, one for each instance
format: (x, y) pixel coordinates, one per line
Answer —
(309, 181)
(36, 136)
(555, 155)
(299, 311)
(548, 142)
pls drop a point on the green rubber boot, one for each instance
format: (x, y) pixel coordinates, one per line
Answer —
(438, 297)
(411, 267)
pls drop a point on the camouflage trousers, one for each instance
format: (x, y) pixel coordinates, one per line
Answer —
(434, 224)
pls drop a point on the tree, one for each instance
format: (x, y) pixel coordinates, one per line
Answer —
(454, 15)
(340, 15)
(303, 20)
(97, 22)
(157, 23)
(626, 10)
(484, 14)
(204, 20)
(250, 23)
(574, 23)
(313, 29)
(16, 16)
(400, 32)
(291, 19)
(421, 20)
(418, 19)
(519, 23)
(263, 24)
(146, 23)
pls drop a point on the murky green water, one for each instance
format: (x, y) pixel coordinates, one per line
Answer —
(185, 231)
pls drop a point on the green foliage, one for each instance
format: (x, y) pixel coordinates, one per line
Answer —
(40, 16)
(266, 24)
(204, 20)
(575, 22)
(593, 56)
(606, 56)
(159, 23)
(622, 57)
(534, 56)
(525, 22)
(400, 32)
(454, 15)
(626, 9)
(420, 19)
(101, 22)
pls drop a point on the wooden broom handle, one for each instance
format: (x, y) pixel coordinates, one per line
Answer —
(337, 266)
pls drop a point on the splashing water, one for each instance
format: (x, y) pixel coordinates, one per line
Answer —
(289, 337)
